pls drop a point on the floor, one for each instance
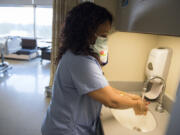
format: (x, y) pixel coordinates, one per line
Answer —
(23, 102)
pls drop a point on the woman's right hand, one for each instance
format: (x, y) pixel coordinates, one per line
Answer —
(141, 107)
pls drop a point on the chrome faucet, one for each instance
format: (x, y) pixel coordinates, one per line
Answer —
(159, 106)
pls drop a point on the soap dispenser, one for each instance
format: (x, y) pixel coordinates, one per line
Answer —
(157, 65)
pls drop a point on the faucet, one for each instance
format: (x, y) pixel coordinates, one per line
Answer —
(159, 107)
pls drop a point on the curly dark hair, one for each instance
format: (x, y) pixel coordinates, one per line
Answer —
(80, 25)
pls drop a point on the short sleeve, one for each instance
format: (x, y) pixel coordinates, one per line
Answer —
(87, 75)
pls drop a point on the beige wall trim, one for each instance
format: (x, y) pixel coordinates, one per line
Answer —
(136, 87)
(127, 85)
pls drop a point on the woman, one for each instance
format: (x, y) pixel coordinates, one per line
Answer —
(79, 88)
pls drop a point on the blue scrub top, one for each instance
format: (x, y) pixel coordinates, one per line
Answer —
(72, 111)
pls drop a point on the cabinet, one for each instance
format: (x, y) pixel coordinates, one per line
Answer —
(149, 16)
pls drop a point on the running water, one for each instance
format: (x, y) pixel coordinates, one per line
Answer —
(143, 93)
(142, 117)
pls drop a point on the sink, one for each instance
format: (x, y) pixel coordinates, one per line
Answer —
(128, 119)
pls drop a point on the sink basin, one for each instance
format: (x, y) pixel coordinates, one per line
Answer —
(128, 119)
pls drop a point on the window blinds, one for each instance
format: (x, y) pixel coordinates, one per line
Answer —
(26, 2)
(16, 2)
(43, 2)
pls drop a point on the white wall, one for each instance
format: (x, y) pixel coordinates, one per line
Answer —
(128, 53)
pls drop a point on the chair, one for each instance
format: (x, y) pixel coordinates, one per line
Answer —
(27, 51)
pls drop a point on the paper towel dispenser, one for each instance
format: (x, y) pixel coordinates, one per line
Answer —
(149, 16)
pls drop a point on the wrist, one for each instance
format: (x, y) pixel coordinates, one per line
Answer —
(135, 105)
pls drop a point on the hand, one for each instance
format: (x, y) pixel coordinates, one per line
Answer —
(141, 107)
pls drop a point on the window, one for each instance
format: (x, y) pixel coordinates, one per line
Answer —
(44, 23)
(16, 21)
(19, 21)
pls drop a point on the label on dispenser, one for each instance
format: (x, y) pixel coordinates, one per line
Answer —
(150, 66)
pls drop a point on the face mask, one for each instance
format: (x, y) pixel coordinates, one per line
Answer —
(101, 48)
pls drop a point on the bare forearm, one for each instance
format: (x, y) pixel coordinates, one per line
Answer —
(112, 98)
(129, 95)
(123, 102)
(120, 92)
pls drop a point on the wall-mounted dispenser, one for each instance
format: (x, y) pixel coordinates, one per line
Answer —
(157, 65)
